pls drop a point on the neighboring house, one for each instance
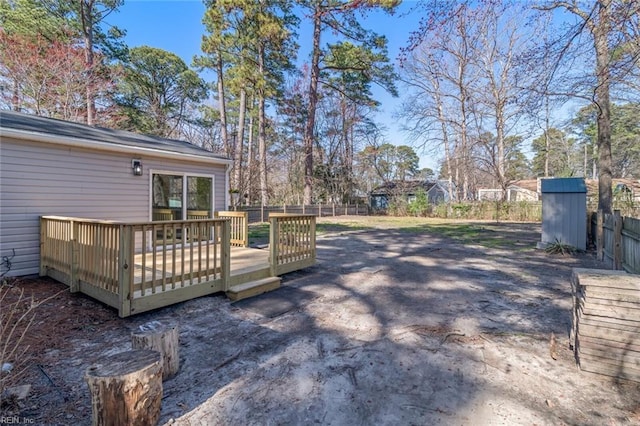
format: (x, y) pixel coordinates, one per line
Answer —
(520, 190)
(524, 190)
(53, 167)
(624, 190)
(380, 196)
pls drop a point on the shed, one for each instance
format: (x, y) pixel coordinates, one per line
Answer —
(564, 212)
(54, 167)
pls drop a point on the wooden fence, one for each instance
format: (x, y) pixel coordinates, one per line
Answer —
(258, 214)
(617, 240)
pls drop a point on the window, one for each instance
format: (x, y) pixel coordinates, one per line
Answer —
(177, 197)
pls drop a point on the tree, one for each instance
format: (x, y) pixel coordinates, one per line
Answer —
(562, 156)
(461, 72)
(390, 162)
(625, 138)
(251, 45)
(60, 23)
(340, 17)
(155, 91)
(607, 23)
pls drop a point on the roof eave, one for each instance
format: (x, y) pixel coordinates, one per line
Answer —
(102, 146)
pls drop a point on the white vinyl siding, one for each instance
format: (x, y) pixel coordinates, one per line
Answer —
(38, 179)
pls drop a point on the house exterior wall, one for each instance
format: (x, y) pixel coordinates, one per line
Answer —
(564, 218)
(38, 179)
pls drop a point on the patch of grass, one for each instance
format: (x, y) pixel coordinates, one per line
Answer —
(326, 228)
(259, 233)
(483, 234)
(558, 247)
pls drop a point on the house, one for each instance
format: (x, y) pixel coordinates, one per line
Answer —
(53, 167)
(520, 190)
(437, 192)
(624, 190)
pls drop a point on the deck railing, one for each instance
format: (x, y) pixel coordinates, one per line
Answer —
(136, 267)
(292, 242)
(126, 266)
(239, 227)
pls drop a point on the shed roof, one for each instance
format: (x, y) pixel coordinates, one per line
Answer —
(25, 126)
(563, 185)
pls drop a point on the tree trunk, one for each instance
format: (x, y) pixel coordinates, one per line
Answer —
(163, 338)
(262, 137)
(86, 8)
(222, 107)
(313, 101)
(239, 142)
(126, 389)
(250, 160)
(600, 35)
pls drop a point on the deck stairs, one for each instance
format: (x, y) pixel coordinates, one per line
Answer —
(251, 281)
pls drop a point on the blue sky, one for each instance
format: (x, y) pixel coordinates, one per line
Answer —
(176, 26)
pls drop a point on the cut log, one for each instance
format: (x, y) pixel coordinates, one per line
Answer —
(126, 389)
(161, 337)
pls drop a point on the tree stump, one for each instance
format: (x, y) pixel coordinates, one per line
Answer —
(126, 389)
(161, 337)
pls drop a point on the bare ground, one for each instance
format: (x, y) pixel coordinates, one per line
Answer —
(390, 327)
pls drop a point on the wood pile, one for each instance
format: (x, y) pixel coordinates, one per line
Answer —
(605, 331)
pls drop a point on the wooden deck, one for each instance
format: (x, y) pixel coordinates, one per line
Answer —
(128, 268)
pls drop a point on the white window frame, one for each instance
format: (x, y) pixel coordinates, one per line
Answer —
(184, 176)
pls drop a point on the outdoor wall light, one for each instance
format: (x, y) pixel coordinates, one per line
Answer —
(136, 165)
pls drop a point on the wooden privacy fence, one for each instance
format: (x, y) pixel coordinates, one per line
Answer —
(258, 214)
(292, 242)
(617, 240)
(136, 267)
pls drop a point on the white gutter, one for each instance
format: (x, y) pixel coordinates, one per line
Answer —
(103, 146)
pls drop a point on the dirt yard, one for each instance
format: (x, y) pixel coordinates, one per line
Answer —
(440, 324)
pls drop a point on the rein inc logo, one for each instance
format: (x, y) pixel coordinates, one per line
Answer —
(16, 420)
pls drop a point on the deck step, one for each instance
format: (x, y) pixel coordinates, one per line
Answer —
(253, 288)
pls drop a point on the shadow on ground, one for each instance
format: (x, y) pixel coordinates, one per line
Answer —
(437, 325)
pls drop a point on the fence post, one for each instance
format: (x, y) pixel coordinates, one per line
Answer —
(262, 213)
(617, 240)
(334, 209)
(600, 235)
(125, 265)
(320, 210)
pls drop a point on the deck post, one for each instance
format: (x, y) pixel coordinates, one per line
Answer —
(273, 244)
(74, 281)
(125, 264)
(43, 245)
(225, 253)
(245, 228)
